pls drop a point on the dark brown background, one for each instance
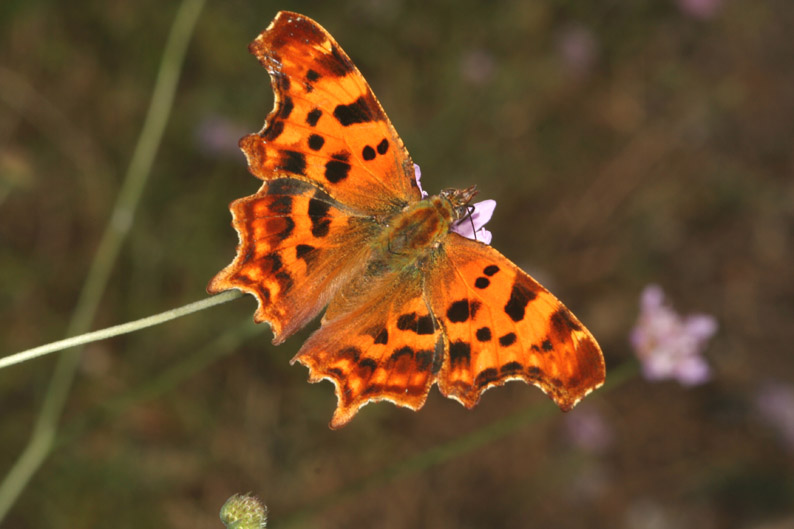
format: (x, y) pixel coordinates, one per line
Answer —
(626, 143)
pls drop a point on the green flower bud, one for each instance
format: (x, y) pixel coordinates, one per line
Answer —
(244, 511)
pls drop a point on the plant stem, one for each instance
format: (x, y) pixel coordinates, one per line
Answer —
(116, 330)
(114, 235)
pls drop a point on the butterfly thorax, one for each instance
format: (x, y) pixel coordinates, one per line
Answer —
(423, 225)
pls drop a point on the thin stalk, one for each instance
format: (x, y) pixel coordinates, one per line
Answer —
(107, 253)
(116, 330)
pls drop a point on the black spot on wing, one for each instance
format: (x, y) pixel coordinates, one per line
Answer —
(520, 296)
(293, 162)
(337, 169)
(482, 282)
(508, 339)
(424, 325)
(490, 270)
(335, 63)
(281, 205)
(511, 367)
(302, 250)
(459, 354)
(407, 321)
(286, 231)
(362, 110)
(368, 153)
(486, 376)
(383, 146)
(285, 108)
(483, 334)
(460, 311)
(382, 337)
(272, 131)
(368, 364)
(312, 76)
(318, 213)
(424, 360)
(316, 142)
(313, 117)
(402, 351)
(563, 323)
(546, 345)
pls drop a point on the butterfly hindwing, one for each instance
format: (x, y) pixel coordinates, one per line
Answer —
(327, 126)
(499, 324)
(384, 348)
(296, 245)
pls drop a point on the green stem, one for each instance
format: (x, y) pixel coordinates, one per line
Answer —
(117, 330)
(114, 235)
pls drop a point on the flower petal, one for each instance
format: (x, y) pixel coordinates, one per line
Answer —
(418, 176)
(472, 227)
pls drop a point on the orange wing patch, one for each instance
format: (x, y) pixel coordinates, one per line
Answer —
(500, 324)
(384, 349)
(292, 235)
(327, 126)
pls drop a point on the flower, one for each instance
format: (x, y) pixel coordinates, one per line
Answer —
(775, 402)
(578, 49)
(418, 176)
(473, 225)
(701, 9)
(668, 345)
(218, 136)
(587, 429)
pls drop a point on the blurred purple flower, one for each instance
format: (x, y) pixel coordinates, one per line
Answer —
(775, 402)
(587, 429)
(701, 9)
(668, 345)
(473, 226)
(218, 136)
(578, 49)
(477, 66)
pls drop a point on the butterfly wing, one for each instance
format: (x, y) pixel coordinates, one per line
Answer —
(499, 324)
(327, 127)
(379, 345)
(297, 245)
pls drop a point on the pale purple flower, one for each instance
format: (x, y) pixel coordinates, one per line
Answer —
(701, 9)
(775, 402)
(477, 67)
(587, 429)
(218, 136)
(473, 226)
(669, 345)
(578, 49)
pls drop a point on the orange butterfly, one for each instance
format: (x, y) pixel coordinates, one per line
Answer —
(341, 221)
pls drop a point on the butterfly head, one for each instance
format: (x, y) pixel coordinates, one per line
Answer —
(460, 200)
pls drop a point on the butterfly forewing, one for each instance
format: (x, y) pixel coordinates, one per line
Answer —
(327, 126)
(296, 245)
(500, 324)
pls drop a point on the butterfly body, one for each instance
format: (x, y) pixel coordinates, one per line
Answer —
(341, 223)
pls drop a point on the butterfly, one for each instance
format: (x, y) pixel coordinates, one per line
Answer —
(414, 294)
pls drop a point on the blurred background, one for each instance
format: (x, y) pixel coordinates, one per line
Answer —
(626, 143)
